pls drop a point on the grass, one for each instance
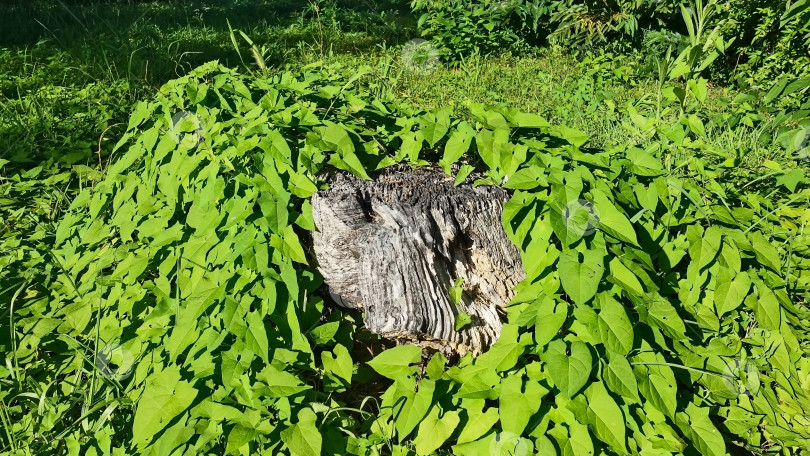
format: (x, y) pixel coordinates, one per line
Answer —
(70, 71)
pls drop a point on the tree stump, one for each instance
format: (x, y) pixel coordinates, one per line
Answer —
(396, 246)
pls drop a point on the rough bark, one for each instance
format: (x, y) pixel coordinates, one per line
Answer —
(395, 246)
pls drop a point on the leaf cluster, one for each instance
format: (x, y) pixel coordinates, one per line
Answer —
(664, 309)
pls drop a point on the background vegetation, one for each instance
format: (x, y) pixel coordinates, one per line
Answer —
(157, 294)
(760, 40)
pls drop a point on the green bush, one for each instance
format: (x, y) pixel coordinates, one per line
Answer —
(461, 28)
(772, 36)
(774, 40)
(485, 26)
(175, 310)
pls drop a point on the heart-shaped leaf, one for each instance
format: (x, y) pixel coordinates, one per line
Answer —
(581, 273)
(569, 367)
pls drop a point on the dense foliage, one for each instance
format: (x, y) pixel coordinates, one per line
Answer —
(774, 39)
(770, 38)
(174, 309)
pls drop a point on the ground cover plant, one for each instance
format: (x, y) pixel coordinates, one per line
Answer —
(159, 294)
(182, 264)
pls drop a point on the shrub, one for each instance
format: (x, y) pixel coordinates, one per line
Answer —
(772, 36)
(460, 28)
(484, 26)
(774, 40)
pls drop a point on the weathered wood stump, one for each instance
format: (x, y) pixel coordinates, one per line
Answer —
(395, 247)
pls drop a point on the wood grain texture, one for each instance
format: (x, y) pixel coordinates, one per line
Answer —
(395, 246)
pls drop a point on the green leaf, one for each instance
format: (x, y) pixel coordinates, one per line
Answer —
(695, 124)
(479, 386)
(766, 308)
(644, 163)
(288, 243)
(527, 120)
(506, 351)
(791, 179)
(623, 277)
(664, 316)
(462, 321)
(457, 146)
(527, 179)
(573, 439)
(238, 438)
(325, 333)
(571, 217)
(577, 138)
(463, 172)
(656, 383)
(549, 318)
(704, 248)
(698, 88)
(765, 252)
(280, 383)
(164, 397)
(612, 221)
(303, 438)
(478, 422)
(436, 367)
(434, 431)
(338, 363)
(606, 418)
(696, 424)
(615, 329)
(492, 145)
(396, 362)
(619, 378)
(519, 400)
(569, 372)
(337, 138)
(256, 336)
(581, 273)
(729, 295)
(456, 292)
(730, 256)
(435, 126)
(411, 146)
(410, 406)
(739, 420)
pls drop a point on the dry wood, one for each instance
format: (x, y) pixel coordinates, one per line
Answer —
(395, 246)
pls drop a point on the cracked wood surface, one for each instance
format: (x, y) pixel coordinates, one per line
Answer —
(395, 246)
